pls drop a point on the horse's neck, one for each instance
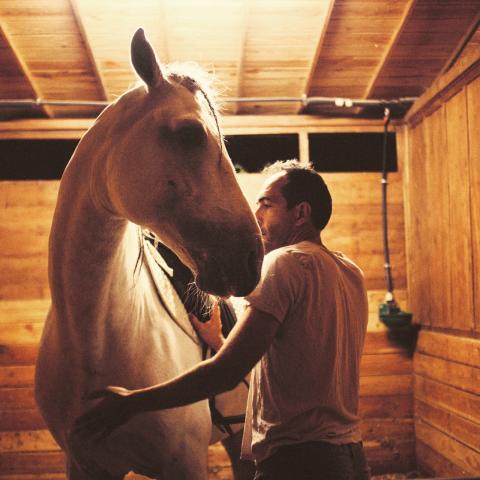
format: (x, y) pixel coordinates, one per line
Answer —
(90, 249)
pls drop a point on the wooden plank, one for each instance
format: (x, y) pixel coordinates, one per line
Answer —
(386, 430)
(473, 112)
(310, 78)
(21, 333)
(27, 311)
(452, 399)
(20, 398)
(32, 193)
(431, 463)
(17, 376)
(386, 406)
(388, 49)
(26, 77)
(459, 252)
(37, 476)
(386, 364)
(24, 278)
(445, 87)
(450, 347)
(436, 221)
(457, 375)
(18, 354)
(459, 454)
(386, 457)
(75, 128)
(21, 419)
(88, 50)
(417, 257)
(392, 400)
(24, 415)
(31, 462)
(466, 40)
(379, 342)
(461, 429)
(18, 343)
(27, 441)
(380, 430)
(386, 385)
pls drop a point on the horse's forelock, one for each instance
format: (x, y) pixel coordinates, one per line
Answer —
(195, 79)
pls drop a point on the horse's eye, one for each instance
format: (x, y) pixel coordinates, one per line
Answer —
(190, 135)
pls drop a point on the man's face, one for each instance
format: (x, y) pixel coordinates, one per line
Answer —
(276, 221)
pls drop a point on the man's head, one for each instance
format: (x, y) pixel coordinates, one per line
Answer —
(294, 205)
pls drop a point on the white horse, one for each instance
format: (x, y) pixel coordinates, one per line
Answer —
(155, 159)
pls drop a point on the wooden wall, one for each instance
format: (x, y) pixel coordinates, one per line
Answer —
(27, 450)
(442, 185)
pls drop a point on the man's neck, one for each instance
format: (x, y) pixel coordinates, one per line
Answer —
(306, 234)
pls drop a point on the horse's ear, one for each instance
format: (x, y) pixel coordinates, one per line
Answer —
(144, 60)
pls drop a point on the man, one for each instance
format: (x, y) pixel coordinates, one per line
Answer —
(303, 330)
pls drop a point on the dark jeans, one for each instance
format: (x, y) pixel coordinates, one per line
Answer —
(315, 461)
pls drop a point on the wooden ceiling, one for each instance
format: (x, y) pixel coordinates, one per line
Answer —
(78, 50)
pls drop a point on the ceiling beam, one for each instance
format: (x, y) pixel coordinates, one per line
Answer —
(231, 125)
(23, 68)
(389, 48)
(462, 44)
(163, 26)
(241, 57)
(91, 57)
(318, 51)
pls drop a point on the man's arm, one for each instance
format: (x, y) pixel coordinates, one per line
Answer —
(248, 341)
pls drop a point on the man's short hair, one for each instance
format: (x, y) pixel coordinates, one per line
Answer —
(304, 184)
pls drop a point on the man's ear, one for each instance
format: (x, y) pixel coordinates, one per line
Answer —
(303, 212)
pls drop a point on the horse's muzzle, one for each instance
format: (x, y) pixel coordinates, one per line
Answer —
(236, 272)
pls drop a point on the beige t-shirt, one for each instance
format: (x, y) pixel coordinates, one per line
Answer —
(305, 387)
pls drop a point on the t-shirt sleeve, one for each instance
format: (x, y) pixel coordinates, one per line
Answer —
(277, 290)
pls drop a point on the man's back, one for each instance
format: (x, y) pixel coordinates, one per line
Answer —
(305, 388)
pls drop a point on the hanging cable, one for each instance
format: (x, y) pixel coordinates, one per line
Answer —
(386, 251)
(390, 312)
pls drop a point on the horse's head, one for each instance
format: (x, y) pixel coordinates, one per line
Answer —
(168, 170)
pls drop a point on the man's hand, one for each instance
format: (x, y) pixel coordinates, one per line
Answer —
(115, 409)
(210, 332)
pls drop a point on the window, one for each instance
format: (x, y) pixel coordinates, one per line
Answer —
(34, 159)
(351, 152)
(251, 153)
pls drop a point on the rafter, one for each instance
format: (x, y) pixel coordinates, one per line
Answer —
(163, 21)
(474, 26)
(389, 48)
(91, 57)
(318, 51)
(241, 56)
(23, 68)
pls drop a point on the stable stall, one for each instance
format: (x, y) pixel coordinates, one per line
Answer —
(362, 90)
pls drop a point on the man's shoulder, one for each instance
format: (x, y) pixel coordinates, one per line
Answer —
(283, 255)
